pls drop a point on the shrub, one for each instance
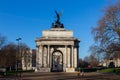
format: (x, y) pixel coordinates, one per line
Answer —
(86, 69)
(90, 69)
(117, 70)
(109, 70)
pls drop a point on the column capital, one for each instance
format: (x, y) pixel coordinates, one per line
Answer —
(41, 44)
(72, 45)
(37, 46)
(66, 45)
(48, 45)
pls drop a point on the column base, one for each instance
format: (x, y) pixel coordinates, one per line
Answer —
(42, 70)
(70, 69)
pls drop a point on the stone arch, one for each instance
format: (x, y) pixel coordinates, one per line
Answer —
(57, 61)
(111, 65)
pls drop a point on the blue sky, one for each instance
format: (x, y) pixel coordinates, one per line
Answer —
(27, 19)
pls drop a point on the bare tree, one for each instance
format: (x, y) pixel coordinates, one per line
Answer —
(107, 33)
(8, 55)
(91, 60)
(21, 50)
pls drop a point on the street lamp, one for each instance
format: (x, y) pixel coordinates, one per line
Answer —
(18, 39)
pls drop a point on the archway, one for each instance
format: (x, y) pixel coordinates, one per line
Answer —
(57, 61)
(111, 65)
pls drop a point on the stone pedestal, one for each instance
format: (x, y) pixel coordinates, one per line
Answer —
(42, 70)
(70, 69)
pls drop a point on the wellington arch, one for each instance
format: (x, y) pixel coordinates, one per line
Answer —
(57, 50)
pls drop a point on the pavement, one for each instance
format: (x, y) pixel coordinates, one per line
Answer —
(64, 76)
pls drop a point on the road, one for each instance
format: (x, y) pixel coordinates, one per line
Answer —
(63, 76)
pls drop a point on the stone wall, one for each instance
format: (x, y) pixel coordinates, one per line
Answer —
(57, 34)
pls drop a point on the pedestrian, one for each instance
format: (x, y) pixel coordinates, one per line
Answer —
(82, 72)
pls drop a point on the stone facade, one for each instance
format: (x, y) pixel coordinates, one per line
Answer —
(115, 62)
(56, 50)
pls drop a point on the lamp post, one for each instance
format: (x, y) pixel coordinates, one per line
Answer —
(18, 39)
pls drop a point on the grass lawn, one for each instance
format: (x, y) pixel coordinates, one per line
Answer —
(111, 70)
(13, 72)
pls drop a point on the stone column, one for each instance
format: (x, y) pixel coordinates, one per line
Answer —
(37, 57)
(51, 50)
(68, 57)
(45, 58)
(77, 54)
(65, 57)
(75, 57)
(72, 56)
(119, 62)
(48, 64)
(41, 55)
